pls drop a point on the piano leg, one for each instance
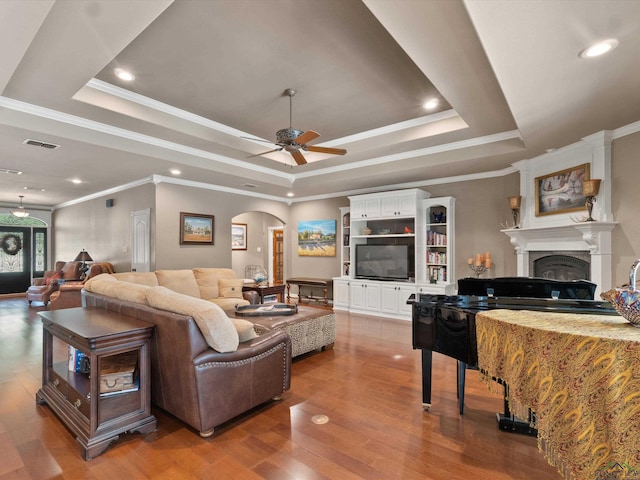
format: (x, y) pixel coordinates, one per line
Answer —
(462, 370)
(426, 378)
(508, 422)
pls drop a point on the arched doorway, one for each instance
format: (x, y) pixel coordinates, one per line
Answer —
(23, 252)
(264, 245)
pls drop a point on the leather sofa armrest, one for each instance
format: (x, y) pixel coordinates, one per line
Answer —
(38, 282)
(252, 297)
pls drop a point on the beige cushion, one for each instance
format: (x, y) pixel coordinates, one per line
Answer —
(207, 279)
(140, 278)
(245, 329)
(231, 288)
(107, 285)
(181, 281)
(229, 304)
(217, 329)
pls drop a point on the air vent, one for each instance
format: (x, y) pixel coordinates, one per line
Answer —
(37, 143)
(34, 189)
(12, 172)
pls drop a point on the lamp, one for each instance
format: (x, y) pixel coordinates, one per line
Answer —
(590, 189)
(20, 211)
(83, 257)
(514, 203)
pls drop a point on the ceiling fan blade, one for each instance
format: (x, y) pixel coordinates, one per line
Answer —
(298, 157)
(332, 151)
(264, 153)
(306, 137)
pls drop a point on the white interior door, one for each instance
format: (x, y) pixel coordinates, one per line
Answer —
(141, 250)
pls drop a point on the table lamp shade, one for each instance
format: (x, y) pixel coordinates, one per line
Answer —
(83, 256)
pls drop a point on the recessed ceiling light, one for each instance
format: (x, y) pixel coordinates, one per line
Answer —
(431, 103)
(122, 74)
(174, 171)
(290, 194)
(599, 48)
(76, 180)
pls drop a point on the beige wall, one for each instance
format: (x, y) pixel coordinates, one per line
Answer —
(625, 202)
(481, 208)
(321, 267)
(105, 233)
(172, 199)
(258, 240)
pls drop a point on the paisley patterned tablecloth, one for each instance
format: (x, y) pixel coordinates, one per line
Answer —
(580, 374)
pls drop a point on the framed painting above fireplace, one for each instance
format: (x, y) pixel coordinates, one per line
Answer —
(561, 192)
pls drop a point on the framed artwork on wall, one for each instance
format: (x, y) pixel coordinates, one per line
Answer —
(238, 236)
(196, 229)
(561, 192)
(317, 238)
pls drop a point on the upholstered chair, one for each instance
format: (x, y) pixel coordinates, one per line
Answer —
(43, 287)
(69, 294)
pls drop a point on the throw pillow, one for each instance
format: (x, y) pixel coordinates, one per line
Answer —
(245, 329)
(217, 329)
(231, 287)
(55, 276)
(207, 279)
(181, 281)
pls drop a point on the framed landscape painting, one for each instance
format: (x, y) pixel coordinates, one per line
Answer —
(238, 236)
(196, 229)
(317, 238)
(561, 192)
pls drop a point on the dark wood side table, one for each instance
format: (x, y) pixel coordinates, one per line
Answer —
(264, 290)
(96, 419)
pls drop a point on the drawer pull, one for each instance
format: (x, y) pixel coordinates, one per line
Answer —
(77, 403)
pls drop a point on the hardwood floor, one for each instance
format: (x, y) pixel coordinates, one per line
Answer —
(369, 387)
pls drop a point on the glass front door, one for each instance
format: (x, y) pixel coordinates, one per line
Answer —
(22, 251)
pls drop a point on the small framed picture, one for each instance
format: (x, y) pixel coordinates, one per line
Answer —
(239, 236)
(196, 229)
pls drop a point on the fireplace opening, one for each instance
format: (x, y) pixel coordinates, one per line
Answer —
(561, 265)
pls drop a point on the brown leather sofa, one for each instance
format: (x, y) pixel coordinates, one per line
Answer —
(69, 294)
(194, 382)
(49, 283)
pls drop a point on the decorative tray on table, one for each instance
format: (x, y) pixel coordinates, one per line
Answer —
(266, 309)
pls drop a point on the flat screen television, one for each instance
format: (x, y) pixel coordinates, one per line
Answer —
(382, 262)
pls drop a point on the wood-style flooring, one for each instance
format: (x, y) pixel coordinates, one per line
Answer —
(368, 386)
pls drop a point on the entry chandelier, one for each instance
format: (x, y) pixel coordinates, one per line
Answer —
(20, 211)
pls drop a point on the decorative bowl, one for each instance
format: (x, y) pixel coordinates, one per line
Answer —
(366, 231)
(384, 231)
(626, 300)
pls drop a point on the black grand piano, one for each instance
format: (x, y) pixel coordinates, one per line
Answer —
(446, 323)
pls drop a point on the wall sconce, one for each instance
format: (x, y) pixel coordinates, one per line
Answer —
(590, 189)
(514, 203)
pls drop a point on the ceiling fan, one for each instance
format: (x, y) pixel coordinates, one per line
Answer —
(295, 141)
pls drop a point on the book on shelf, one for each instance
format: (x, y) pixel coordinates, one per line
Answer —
(75, 359)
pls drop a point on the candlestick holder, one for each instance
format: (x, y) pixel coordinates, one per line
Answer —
(478, 269)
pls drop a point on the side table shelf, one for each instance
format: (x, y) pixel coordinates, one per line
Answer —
(96, 419)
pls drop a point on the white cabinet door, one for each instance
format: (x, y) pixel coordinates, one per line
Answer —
(341, 294)
(365, 208)
(389, 298)
(398, 206)
(364, 296)
(393, 299)
(356, 295)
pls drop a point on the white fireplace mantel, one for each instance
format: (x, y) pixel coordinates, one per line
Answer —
(561, 232)
(593, 237)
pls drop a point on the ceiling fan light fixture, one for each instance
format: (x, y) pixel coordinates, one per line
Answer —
(20, 211)
(599, 48)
